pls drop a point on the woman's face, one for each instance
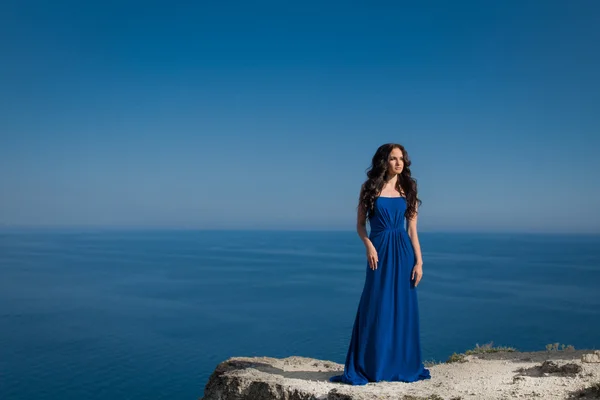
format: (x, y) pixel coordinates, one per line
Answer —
(395, 162)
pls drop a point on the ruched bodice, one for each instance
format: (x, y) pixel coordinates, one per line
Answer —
(388, 215)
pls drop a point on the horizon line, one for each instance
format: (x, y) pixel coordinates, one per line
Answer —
(116, 228)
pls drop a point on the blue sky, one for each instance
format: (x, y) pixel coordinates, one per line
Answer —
(242, 115)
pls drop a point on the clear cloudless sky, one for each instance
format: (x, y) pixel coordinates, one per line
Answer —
(265, 115)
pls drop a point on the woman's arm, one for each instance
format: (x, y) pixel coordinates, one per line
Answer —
(361, 228)
(414, 239)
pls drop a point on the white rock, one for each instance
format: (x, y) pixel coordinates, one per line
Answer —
(302, 378)
(591, 357)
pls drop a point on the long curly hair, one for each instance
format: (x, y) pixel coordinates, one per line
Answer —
(376, 174)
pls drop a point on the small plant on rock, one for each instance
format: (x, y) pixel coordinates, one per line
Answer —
(455, 357)
(488, 348)
(559, 347)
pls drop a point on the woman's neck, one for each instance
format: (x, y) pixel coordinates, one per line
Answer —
(391, 180)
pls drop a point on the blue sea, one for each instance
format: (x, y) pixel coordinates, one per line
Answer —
(150, 314)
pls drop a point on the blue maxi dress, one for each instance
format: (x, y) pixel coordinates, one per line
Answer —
(385, 343)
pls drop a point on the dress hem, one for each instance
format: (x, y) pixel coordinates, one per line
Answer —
(422, 375)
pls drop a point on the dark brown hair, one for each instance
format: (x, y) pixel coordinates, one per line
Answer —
(376, 174)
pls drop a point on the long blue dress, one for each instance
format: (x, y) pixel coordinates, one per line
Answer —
(385, 343)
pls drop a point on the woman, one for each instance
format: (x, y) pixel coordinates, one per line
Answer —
(385, 343)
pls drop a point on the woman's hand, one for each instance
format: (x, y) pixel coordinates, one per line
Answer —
(417, 273)
(372, 257)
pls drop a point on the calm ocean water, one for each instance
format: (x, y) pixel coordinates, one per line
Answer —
(148, 315)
